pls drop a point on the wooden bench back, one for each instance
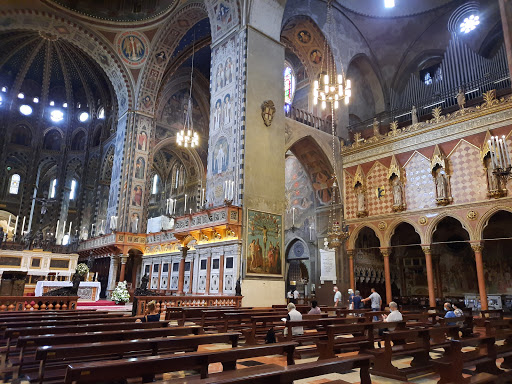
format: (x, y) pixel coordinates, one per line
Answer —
(49, 323)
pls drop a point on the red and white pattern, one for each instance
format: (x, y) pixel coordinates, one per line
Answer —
(376, 181)
(350, 196)
(468, 178)
(420, 190)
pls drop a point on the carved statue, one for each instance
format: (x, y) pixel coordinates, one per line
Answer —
(376, 126)
(397, 192)
(143, 288)
(238, 288)
(461, 98)
(361, 200)
(66, 291)
(414, 115)
(441, 184)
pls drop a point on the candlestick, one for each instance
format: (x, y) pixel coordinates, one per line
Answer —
(502, 153)
(16, 226)
(293, 217)
(174, 206)
(232, 190)
(190, 210)
(23, 225)
(507, 152)
(57, 228)
(167, 206)
(8, 227)
(69, 230)
(225, 190)
(310, 233)
(185, 209)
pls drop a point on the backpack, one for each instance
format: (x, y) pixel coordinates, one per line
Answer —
(270, 337)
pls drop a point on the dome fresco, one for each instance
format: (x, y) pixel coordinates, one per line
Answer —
(401, 9)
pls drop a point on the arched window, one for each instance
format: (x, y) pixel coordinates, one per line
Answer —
(427, 79)
(177, 177)
(53, 189)
(21, 135)
(101, 113)
(154, 189)
(72, 193)
(14, 187)
(289, 85)
(52, 140)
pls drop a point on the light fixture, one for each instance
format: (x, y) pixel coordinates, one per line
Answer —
(52, 103)
(25, 109)
(21, 96)
(469, 23)
(65, 105)
(187, 137)
(56, 115)
(1, 100)
(36, 100)
(83, 117)
(4, 89)
(389, 3)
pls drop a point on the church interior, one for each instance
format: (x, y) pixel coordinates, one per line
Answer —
(227, 165)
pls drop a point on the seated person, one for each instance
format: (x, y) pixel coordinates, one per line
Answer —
(293, 315)
(393, 316)
(449, 313)
(457, 311)
(315, 310)
(152, 314)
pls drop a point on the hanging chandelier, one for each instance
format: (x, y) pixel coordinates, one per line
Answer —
(335, 87)
(187, 137)
(330, 87)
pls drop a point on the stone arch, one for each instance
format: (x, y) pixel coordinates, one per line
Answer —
(421, 60)
(294, 240)
(392, 228)
(81, 36)
(484, 219)
(355, 234)
(22, 134)
(79, 140)
(53, 139)
(432, 226)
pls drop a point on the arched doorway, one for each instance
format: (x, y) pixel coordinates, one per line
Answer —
(407, 262)
(297, 260)
(368, 263)
(497, 262)
(456, 263)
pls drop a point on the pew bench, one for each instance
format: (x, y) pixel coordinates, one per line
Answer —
(147, 367)
(337, 339)
(53, 360)
(455, 359)
(501, 330)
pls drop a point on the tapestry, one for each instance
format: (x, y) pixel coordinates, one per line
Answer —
(264, 244)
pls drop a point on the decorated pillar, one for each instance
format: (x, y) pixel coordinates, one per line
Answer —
(112, 273)
(123, 259)
(477, 248)
(506, 22)
(430, 277)
(387, 273)
(350, 254)
(181, 276)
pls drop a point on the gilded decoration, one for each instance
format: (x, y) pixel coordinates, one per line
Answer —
(382, 225)
(472, 215)
(268, 109)
(423, 220)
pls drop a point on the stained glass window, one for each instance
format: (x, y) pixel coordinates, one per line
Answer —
(72, 193)
(289, 85)
(154, 189)
(53, 187)
(15, 184)
(428, 79)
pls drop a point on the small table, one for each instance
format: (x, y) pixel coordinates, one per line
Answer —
(87, 291)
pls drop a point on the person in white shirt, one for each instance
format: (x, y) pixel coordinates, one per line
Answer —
(293, 315)
(296, 295)
(394, 316)
(337, 297)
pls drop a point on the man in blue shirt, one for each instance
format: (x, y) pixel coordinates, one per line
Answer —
(449, 313)
(376, 302)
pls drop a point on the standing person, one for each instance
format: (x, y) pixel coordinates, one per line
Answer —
(356, 300)
(337, 297)
(289, 296)
(315, 309)
(351, 299)
(295, 296)
(376, 302)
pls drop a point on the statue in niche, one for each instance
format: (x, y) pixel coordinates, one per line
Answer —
(361, 200)
(442, 187)
(238, 288)
(397, 188)
(461, 98)
(376, 127)
(414, 115)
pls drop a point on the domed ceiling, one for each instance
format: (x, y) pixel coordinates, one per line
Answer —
(39, 64)
(375, 8)
(119, 10)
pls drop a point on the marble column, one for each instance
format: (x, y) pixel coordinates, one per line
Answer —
(436, 259)
(208, 272)
(477, 248)
(124, 259)
(221, 275)
(430, 277)
(191, 279)
(181, 276)
(387, 273)
(506, 22)
(112, 273)
(350, 254)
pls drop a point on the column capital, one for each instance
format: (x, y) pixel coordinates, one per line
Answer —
(350, 253)
(184, 249)
(477, 247)
(123, 258)
(385, 252)
(427, 250)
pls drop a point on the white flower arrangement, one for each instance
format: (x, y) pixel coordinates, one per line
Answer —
(82, 269)
(120, 294)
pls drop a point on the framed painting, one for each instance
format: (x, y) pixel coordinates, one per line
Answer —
(264, 244)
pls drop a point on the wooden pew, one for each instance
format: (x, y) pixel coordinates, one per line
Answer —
(501, 330)
(188, 314)
(235, 321)
(52, 360)
(333, 342)
(450, 366)
(411, 342)
(147, 367)
(286, 375)
(47, 312)
(27, 344)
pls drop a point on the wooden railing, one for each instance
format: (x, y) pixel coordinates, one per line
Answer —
(162, 302)
(309, 119)
(31, 303)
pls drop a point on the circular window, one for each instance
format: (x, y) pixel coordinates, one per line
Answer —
(56, 115)
(83, 117)
(25, 109)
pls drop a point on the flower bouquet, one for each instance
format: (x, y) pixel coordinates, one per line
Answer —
(82, 269)
(120, 294)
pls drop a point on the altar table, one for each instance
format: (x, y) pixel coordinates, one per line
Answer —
(87, 291)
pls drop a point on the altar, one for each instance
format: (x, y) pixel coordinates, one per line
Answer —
(87, 291)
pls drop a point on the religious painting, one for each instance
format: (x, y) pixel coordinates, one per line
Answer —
(142, 141)
(137, 196)
(161, 57)
(322, 184)
(229, 71)
(173, 112)
(315, 56)
(304, 37)
(264, 244)
(223, 13)
(228, 109)
(220, 156)
(219, 83)
(217, 116)
(299, 193)
(140, 166)
(132, 47)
